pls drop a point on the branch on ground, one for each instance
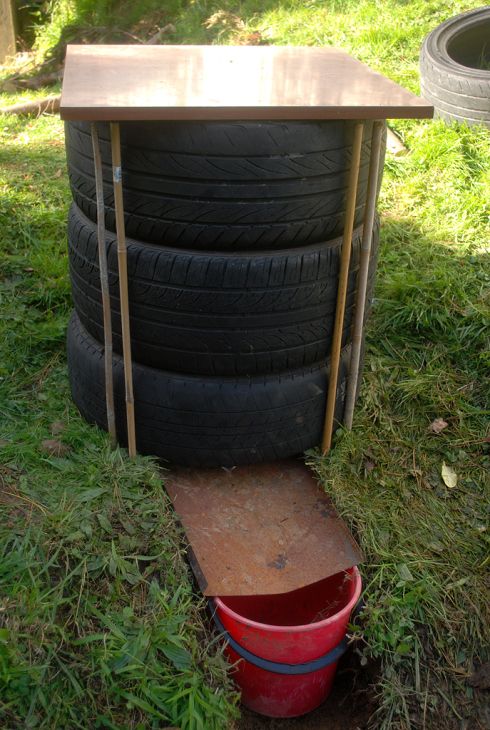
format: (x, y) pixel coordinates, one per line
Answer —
(49, 104)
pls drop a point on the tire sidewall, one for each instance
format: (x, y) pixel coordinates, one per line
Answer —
(434, 49)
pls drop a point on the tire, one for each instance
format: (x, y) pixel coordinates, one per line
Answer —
(224, 186)
(450, 77)
(200, 421)
(217, 314)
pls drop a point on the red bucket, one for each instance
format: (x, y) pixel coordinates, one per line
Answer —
(286, 647)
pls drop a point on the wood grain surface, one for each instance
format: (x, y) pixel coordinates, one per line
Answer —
(120, 82)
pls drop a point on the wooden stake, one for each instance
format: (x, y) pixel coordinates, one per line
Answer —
(362, 278)
(342, 288)
(104, 288)
(123, 284)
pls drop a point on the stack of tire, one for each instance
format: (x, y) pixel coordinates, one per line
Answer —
(233, 235)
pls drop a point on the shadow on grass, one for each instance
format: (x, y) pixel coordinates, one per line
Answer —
(432, 293)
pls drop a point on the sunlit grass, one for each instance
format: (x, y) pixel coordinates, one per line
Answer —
(85, 638)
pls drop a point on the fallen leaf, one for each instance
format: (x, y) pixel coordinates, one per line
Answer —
(449, 476)
(54, 448)
(404, 572)
(104, 522)
(438, 425)
(368, 466)
(436, 546)
(57, 427)
(58, 173)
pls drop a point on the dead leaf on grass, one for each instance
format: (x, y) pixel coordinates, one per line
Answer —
(57, 427)
(438, 425)
(436, 546)
(404, 572)
(54, 448)
(449, 476)
(368, 466)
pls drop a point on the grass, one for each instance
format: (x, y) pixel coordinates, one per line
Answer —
(100, 624)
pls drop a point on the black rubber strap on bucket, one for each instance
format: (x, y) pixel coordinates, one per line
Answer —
(280, 667)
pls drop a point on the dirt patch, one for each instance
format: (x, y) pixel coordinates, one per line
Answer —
(349, 706)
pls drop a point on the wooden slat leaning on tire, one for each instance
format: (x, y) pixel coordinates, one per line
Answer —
(206, 421)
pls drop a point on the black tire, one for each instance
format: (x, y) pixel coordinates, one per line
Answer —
(452, 61)
(221, 186)
(217, 314)
(206, 421)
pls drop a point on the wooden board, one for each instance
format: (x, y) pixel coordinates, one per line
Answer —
(228, 82)
(7, 30)
(260, 529)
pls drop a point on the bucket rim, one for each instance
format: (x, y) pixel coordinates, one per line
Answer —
(356, 577)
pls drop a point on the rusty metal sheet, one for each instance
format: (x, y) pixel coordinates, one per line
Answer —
(261, 529)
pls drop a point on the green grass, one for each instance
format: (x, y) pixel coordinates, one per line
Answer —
(100, 624)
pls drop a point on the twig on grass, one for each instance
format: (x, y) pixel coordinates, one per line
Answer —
(49, 104)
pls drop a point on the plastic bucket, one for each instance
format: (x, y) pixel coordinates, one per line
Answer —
(286, 647)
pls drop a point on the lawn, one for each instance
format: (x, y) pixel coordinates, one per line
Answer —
(100, 623)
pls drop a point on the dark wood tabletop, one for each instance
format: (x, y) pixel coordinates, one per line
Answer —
(138, 82)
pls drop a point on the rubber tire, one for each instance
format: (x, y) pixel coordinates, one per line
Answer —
(224, 186)
(217, 314)
(457, 91)
(200, 421)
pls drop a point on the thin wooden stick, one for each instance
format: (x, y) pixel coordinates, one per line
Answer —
(362, 278)
(123, 284)
(104, 288)
(342, 288)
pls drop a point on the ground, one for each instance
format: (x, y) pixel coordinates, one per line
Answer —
(349, 706)
(100, 623)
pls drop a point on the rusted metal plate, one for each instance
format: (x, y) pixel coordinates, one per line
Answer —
(119, 83)
(262, 529)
